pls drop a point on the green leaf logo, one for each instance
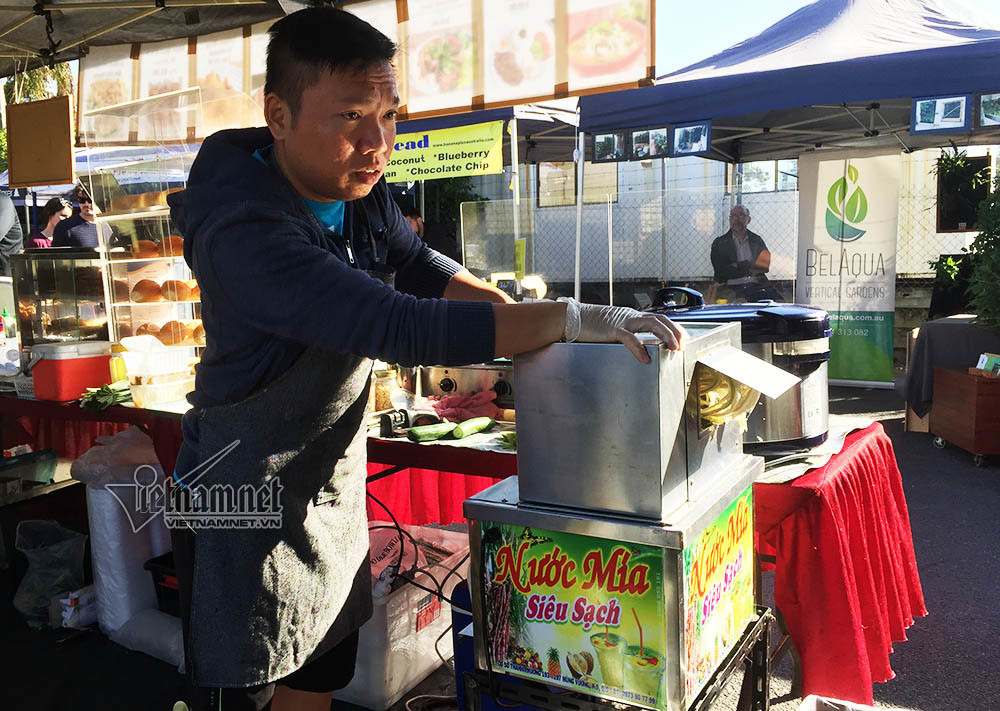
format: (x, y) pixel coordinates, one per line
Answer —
(847, 206)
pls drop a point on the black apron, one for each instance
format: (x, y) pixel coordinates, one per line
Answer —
(265, 602)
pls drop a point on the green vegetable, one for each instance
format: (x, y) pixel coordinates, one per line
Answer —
(429, 433)
(98, 399)
(508, 440)
(469, 427)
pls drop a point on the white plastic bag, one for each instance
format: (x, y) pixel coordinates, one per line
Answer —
(155, 633)
(124, 531)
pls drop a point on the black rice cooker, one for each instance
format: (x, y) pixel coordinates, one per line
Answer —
(792, 337)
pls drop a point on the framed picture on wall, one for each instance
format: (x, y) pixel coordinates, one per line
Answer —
(989, 110)
(691, 139)
(610, 147)
(941, 114)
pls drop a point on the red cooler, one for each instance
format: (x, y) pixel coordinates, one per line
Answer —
(63, 371)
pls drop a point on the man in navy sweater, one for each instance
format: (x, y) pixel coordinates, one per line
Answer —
(308, 271)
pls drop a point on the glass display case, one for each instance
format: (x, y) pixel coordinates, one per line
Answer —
(150, 288)
(60, 294)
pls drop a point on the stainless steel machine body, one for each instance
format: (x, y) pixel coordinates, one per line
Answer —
(599, 431)
(456, 380)
(681, 602)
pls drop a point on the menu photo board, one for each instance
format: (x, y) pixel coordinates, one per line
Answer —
(989, 110)
(607, 42)
(611, 147)
(105, 81)
(219, 62)
(691, 139)
(941, 114)
(164, 73)
(519, 47)
(440, 55)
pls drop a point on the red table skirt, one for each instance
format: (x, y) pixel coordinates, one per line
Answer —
(420, 496)
(846, 576)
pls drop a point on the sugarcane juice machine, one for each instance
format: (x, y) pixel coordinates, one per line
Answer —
(618, 563)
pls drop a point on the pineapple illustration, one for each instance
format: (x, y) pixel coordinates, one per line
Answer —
(555, 669)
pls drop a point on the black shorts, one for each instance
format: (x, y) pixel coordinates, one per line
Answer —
(331, 671)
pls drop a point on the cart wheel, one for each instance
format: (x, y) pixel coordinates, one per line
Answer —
(978, 459)
(939, 442)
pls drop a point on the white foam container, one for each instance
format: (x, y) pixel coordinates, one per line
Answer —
(396, 646)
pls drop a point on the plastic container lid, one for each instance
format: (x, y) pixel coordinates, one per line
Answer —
(70, 350)
(761, 322)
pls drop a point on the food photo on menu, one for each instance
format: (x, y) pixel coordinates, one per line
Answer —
(609, 40)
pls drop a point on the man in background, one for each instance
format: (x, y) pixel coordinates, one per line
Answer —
(740, 259)
(10, 227)
(79, 230)
(434, 236)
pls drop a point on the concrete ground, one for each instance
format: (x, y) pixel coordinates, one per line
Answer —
(948, 664)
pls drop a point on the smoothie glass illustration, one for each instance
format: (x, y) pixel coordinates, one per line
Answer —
(643, 671)
(609, 649)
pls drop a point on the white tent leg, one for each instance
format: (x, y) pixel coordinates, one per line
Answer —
(579, 215)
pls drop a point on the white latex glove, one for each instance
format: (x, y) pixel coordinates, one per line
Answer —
(593, 323)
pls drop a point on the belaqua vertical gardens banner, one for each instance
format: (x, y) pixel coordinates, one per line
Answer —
(848, 209)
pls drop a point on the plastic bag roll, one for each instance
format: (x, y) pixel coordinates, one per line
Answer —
(124, 587)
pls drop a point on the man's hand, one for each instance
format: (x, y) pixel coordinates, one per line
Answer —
(607, 324)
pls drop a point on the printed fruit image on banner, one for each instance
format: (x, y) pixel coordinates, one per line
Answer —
(718, 591)
(847, 207)
(578, 612)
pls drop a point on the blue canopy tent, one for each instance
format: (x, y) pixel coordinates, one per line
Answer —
(836, 73)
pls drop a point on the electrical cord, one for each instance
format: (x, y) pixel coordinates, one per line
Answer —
(399, 563)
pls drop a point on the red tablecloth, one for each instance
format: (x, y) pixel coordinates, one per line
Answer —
(71, 431)
(434, 493)
(846, 577)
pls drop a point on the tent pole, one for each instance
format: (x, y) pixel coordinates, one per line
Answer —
(663, 221)
(611, 252)
(515, 185)
(579, 213)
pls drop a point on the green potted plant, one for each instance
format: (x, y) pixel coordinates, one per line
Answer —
(985, 250)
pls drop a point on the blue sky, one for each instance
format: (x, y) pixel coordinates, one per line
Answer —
(727, 22)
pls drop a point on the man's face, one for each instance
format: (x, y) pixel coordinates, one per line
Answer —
(417, 223)
(340, 140)
(739, 219)
(86, 207)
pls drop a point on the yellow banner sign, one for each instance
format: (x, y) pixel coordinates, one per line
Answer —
(447, 153)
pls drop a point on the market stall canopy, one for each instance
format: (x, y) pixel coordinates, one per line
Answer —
(92, 159)
(546, 131)
(34, 34)
(836, 73)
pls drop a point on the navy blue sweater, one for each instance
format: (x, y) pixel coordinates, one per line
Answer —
(274, 281)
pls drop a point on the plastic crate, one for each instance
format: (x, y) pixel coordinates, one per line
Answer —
(165, 582)
(37, 466)
(396, 648)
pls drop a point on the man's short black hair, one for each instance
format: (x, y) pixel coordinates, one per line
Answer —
(309, 42)
(408, 209)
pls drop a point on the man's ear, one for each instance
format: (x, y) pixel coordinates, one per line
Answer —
(278, 116)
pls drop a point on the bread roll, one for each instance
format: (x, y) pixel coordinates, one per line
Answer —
(174, 290)
(172, 246)
(195, 293)
(199, 335)
(171, 333)
(146, 291)
(148, 329)
(146, 249)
